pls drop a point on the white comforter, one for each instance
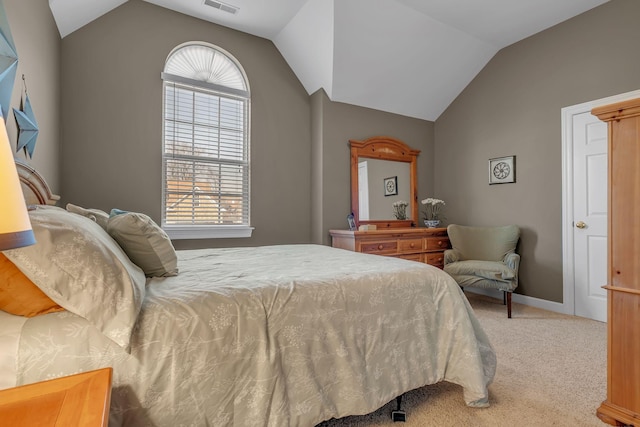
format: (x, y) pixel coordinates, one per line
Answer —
(274, 336)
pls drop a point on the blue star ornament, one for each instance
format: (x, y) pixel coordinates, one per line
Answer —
(27, 127)
(7, 77)
(8, 62)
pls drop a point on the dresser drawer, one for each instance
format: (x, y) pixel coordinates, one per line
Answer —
(411, 257)
(379, 247)
(410, 245)
(435, 243)
(436, 259)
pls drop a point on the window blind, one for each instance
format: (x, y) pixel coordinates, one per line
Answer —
(205, 156)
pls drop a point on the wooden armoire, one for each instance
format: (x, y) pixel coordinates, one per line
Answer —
(622, 406)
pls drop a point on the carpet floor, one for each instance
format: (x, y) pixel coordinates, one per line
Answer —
(551, 372)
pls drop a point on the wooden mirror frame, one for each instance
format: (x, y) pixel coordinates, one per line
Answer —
(384, 148)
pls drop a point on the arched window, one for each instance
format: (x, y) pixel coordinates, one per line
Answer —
(205, 155)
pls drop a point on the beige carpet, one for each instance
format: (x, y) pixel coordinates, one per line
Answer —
(551, 372)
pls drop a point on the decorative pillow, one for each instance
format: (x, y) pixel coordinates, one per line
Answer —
(77, 264)
(18, 294)
(146, 244)
(96, 215)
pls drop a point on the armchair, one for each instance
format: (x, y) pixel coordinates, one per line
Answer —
(484, 257)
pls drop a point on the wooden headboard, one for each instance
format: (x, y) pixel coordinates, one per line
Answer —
(35, 188)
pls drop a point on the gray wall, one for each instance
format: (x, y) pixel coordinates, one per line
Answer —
(105, 149)
(513, 108)
(335, 124)
(112, 111)
(111, 127)
(38, 44)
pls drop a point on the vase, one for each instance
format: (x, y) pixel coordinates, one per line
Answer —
(431, 223)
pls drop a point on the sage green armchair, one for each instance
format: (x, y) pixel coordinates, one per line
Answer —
(484, 257)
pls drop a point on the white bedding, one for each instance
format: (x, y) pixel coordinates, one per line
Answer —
(274, 336)
(10, 329)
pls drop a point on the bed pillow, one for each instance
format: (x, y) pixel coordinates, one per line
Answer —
(18, 294)
(77, 264)
(146, 244)
(100, 217)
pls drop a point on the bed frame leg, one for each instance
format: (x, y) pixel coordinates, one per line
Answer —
(398, 415)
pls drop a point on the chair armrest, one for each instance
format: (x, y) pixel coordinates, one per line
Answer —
(451, 255)
(512, 260)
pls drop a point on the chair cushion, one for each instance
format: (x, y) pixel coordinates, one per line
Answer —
(485, 269)
(483, 243)
(482, 283)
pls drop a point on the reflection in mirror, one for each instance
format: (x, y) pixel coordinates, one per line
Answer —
(374, 199)
(380, 167)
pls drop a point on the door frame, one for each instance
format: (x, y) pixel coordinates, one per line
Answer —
(568, 277)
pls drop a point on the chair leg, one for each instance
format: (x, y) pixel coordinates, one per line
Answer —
(508, 294)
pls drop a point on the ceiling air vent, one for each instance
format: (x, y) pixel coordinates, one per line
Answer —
(222, 6)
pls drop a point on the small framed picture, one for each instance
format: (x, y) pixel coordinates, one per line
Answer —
(502, 170)
(351, 221)
(391, 186)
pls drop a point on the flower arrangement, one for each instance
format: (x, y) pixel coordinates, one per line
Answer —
(400, 209)
(432, 209)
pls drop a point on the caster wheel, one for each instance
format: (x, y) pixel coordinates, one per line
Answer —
(398, 416)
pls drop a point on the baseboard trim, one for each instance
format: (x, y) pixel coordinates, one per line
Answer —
(521, 299)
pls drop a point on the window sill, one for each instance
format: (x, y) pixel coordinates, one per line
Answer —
(208, 232)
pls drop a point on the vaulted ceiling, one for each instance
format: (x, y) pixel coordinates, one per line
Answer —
(410, 57)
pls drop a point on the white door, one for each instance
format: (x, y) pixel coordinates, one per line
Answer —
(590, 215)
(584, 198)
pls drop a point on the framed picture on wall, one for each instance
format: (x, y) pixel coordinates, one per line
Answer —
(391, 186)
(502, 170)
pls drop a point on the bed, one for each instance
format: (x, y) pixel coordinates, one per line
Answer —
(287, 335)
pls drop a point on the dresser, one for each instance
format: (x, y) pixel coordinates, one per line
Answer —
(416, 244)
(622, 406)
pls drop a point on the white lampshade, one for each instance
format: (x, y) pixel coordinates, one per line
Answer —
(15, 228)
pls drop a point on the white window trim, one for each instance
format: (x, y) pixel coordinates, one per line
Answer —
(183, 232)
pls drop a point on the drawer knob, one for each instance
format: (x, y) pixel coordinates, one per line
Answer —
(440, 242)
(380, 247)
(412, 245)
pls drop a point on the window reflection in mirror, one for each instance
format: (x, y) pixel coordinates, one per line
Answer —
(373, 201)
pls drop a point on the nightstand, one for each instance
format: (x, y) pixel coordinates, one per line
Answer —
(80, 400)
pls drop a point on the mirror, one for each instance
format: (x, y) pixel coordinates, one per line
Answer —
(375, 199)
(383, 172)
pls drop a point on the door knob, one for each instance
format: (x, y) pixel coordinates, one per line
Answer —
(581, 224)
